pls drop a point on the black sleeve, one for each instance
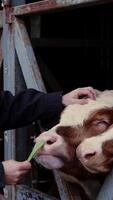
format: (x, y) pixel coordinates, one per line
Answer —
(28, 106)
(2, 181)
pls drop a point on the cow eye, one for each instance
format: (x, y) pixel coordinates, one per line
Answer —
(102, 125)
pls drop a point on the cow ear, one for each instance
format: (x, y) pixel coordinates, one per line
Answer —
(107, 148)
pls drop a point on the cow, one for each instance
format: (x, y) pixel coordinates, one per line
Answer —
(81, 144)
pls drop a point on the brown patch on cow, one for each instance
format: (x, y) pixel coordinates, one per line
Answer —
(72, 135)
(76, 169)
(99, 121)
(107, 150)
(105, 115)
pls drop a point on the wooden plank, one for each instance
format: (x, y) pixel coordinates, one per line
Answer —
(54, 5)
(27, 58)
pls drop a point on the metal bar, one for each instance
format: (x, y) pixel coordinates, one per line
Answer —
(1, 55)
(52, 5)
(1, 19)
(9, 84)
(6, 2)
(9, 73)
(27, 58)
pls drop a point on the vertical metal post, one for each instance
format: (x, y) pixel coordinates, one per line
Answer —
(9, 84)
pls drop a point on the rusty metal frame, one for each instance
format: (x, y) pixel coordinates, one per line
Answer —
(46, 6)
(53, 5)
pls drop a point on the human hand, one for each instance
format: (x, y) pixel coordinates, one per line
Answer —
(79, 96)
(15, 170)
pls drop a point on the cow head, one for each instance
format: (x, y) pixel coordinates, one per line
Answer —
(83, 137)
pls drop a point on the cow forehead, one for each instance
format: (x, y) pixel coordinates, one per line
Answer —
(76, 114)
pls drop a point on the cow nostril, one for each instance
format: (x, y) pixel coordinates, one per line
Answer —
(51, 141)
(89, 155)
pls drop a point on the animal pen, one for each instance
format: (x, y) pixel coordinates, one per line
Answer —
(51, 45)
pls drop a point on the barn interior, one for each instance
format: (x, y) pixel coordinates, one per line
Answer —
(73, 48)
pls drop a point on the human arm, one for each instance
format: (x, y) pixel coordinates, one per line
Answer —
(30, 105)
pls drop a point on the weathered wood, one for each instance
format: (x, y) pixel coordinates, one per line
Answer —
(27, 58)
(54, 5)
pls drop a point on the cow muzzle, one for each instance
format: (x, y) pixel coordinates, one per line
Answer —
(54, 153)
(90, 154)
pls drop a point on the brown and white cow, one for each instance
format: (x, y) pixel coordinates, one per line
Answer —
(81, 145)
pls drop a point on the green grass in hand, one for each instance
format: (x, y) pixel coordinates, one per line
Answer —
(36, 149)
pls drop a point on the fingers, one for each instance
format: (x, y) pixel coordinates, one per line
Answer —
(78, 94)
(92, 92)
(87, 92)
(79, 101)
(25, 165)
(22, 169)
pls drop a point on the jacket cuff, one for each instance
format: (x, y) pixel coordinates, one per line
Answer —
(2, 176)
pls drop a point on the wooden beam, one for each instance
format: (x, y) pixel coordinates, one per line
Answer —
(52, 5)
